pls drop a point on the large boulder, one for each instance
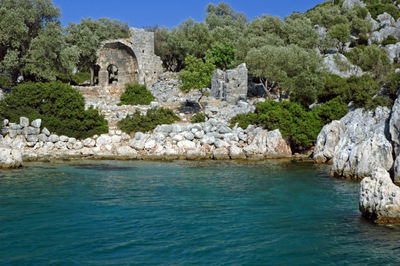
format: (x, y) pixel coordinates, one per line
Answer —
(363, 145)
(10, 158)
(268, 144)
(231, 85)
(379, 198)
(353, 3)
(331, 66)
(393, 51)
(327, 141)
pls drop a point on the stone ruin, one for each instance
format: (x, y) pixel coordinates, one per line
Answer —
(129, 60)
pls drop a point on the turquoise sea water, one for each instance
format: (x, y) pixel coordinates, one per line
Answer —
(180, 213)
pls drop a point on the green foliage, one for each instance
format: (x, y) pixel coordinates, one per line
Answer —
(198, 118)
(5, 81)
(196, 75)
(331, 110)
(359, 90)
(390, 40)
(244, 120)
(372, 59)
(340, 33)
(299, 126)
(143, 123)
(376, 8)
(292, 68)
(61, 108)
(136, 94)
(221, 55)
(74, 79)
(32, 41)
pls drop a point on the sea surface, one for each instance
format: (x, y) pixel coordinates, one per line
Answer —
(186, 213)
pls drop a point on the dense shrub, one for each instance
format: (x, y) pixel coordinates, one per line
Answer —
(61, 108)
(372, 59)
(300, 126)
(196, 75)
(390, 40)
(74, 79)
(244, 120)
(136, 94)
(331, 110)
(5, 81)
(359, 90)
(198, 118)
(379, 8)
(143, 123)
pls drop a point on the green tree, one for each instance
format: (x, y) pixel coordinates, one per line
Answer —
(89, 34)
(197, 74)
(21, 22)
(340, 34)
(221, 55)
(296, 70)
(49, 55)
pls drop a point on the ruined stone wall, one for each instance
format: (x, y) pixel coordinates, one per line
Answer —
(150, 65)
(134, 59)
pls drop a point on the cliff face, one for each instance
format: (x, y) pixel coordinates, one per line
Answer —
(366, 145)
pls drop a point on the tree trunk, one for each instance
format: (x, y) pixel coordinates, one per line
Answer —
(91, 68)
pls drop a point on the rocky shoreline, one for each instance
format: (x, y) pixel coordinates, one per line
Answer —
(202, 141)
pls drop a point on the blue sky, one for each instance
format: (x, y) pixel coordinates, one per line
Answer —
(170, 12)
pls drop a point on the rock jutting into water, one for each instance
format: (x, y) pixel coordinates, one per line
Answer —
(359, 144)
(379, 198)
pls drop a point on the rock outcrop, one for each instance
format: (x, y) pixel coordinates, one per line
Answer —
(379, 198)
(327, 141)
(345, 69)
(360, 143)
(353, 3)
(231, 85)
(10, 158)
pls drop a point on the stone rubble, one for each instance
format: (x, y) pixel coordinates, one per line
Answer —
(209, 140)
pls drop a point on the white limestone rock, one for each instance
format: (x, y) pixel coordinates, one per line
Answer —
(364, 144)
(353, 3)
(268, 144)
(327, 141)
(379, 198)
(331, 66)
(10, 158)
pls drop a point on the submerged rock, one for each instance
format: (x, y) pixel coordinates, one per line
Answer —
(379, 198)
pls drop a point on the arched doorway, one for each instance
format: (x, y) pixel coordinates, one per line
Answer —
(118, 66)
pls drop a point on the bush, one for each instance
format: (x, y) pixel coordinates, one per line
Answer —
(143, 123)
(299, 126)
(331, 110)
(390, 40)
(136, 94)
(198, 118)
(379, 8)
(74, 79)
(244, 120)
(196, 75)
(5, 81)
(61, 108)
(359, 90)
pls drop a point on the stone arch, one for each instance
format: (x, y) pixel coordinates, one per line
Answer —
(122, 57)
